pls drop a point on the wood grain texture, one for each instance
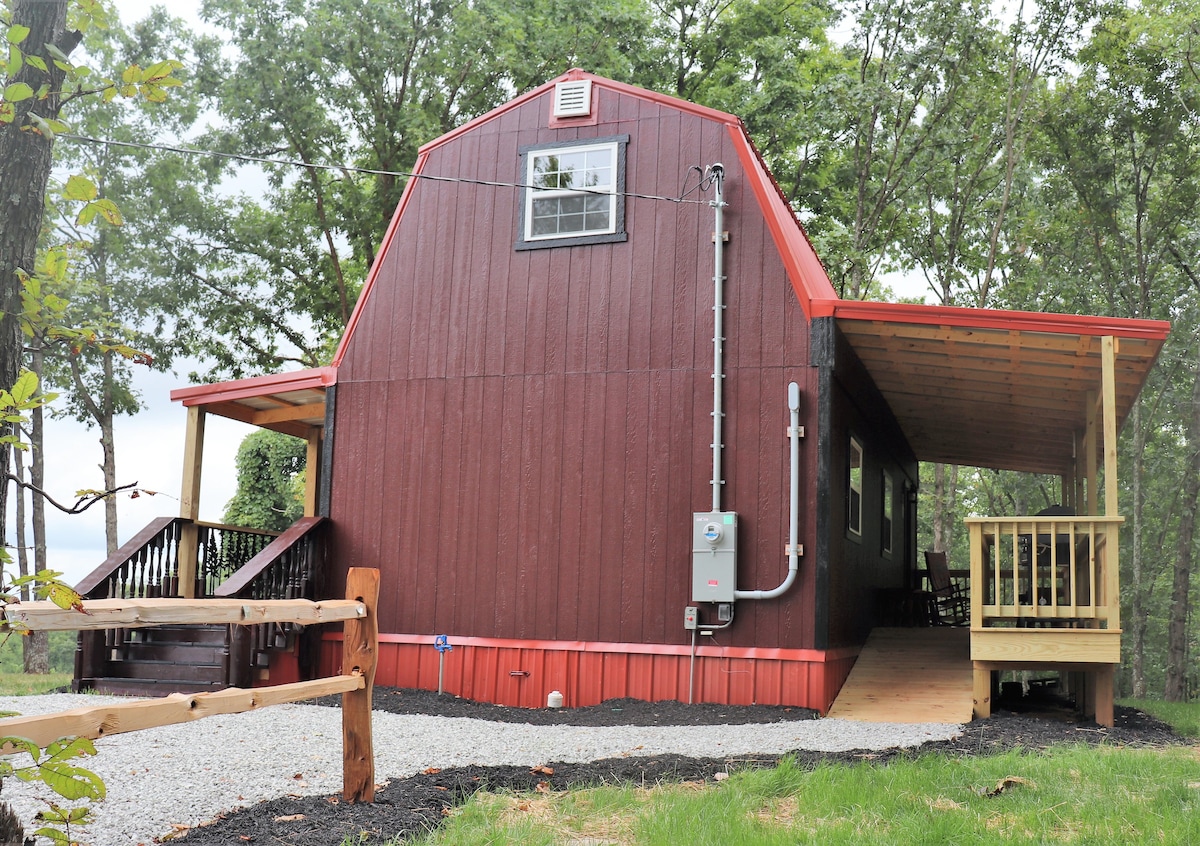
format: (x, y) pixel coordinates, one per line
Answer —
(531, 428)
(360, 652)
(138, 613)
(98, 721)
(910, 676)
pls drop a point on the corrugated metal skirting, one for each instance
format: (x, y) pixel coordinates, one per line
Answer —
(521, 673)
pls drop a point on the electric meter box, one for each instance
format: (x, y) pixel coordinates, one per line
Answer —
(714, 556)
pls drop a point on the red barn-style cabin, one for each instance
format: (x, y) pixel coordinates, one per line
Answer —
(600, 419)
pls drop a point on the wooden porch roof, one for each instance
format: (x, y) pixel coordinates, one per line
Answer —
(292, 403)
(998, 389)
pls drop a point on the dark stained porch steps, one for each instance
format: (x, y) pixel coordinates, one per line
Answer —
(168, 659)
(910, 676)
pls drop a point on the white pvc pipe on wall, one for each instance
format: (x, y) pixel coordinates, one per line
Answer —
(793, 549)
(717, 171)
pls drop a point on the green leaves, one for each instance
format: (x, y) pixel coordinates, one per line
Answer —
(79, 187)
(54, 767)
(151, 83)
(66, 779)
(17, 91)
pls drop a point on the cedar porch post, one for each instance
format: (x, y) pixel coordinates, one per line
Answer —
(1091, 472)
(1100, 688)
(312, 476)
(189, 503)
(1108, 350)
(1112, 586)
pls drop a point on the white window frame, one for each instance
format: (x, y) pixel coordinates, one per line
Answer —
(612, 192)
(854, 486)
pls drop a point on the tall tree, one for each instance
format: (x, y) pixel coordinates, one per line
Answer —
(349, 89)
(37, 34)
(40, 79)
(1120, 201)
(911, 59)
(101, 283)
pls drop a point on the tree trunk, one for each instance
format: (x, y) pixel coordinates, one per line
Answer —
(39, 642)
(25, 164)
(35, 647)
(109, 448)
(945, 500)
(1175, 688)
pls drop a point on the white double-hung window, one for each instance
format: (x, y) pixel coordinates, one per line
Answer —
(573, 193)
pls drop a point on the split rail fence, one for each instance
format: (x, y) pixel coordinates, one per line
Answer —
(359, 650)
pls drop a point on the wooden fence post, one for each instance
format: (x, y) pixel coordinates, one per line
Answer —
(360, 646)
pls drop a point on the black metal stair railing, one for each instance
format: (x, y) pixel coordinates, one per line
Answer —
(223, 550)
(148, 567)
(287, 568)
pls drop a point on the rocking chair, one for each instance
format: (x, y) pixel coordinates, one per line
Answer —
(951, 603)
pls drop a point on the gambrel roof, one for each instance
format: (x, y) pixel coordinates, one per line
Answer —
(979, 387)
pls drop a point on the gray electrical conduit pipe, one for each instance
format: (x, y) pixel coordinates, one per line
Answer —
(793, 548)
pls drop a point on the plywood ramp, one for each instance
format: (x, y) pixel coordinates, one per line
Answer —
(910, 676)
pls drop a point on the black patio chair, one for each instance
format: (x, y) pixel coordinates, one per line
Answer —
(951, 602)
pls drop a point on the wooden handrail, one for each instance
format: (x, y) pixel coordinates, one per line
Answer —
(45, 616)
(360, 646)
(1026, 588)
(129, 549)
(253, 568)
(245, 530)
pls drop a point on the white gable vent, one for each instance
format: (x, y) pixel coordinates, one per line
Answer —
(573, 98)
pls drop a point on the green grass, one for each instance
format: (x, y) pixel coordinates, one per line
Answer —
(22, 684)
(62, 652)
(1183, 716)
(14, 682)
(1070, 794)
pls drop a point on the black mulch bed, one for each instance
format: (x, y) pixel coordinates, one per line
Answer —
(413, 805)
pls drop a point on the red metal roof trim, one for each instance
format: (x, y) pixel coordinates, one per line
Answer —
(985, 318)
(257, 386)
(777, 653)
(809, 279)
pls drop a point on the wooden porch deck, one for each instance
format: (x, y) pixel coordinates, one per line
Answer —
(910, 676)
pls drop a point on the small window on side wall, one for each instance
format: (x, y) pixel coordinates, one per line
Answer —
(573, 194)
(885, 541)
(854, 489)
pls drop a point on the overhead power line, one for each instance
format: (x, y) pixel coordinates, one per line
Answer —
(241, 157)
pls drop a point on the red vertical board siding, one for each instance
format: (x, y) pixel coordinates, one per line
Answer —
(524, 673)
(522, 436)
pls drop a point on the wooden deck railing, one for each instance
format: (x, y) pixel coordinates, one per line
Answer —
(1044, 572)
(147, 565)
